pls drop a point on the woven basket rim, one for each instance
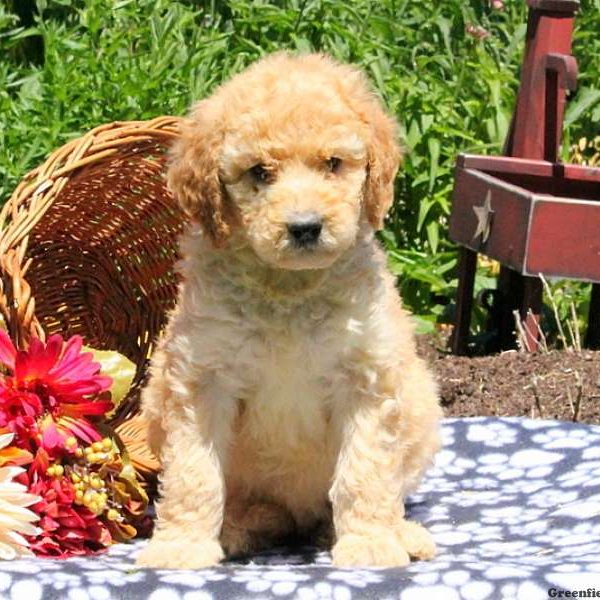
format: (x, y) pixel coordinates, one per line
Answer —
(95, 145)
(35, 194)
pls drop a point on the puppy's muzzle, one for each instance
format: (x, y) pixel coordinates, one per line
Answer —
(305, 232)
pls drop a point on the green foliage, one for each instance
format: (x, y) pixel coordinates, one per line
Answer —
(566, 305)
(69, 65)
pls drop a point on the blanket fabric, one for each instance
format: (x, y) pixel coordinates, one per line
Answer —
(513, 504)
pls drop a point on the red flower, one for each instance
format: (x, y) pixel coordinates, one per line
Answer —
(47, 394)
(19, 411)
(68, 529)
(56, 379)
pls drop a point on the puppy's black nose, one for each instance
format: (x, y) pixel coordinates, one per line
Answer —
(305, 233)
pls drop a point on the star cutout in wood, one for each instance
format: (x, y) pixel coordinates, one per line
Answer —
(484, 216)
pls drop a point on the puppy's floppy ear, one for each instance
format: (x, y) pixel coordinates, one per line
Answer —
(193, 175)
(383, 161)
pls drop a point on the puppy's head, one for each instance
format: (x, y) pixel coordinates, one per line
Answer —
(292, 155)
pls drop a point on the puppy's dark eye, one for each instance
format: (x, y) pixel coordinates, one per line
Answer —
(260, 173)
(333, 164)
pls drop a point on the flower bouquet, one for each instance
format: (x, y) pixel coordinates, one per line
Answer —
(69, 474)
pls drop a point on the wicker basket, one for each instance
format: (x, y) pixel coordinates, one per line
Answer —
(87, 246)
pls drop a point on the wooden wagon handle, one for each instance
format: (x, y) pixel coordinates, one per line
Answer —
(561, 74)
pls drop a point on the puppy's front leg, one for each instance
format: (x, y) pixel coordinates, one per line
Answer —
(368, 488)
(190, 510)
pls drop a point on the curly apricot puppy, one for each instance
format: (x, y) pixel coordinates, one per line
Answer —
(286, 387)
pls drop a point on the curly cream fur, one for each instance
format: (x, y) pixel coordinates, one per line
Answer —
(286, 389)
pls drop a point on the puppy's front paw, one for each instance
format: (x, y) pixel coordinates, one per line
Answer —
(160, 554)
(417, 541)
(381, 550)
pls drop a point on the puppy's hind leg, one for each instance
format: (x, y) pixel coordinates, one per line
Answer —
(250, 526)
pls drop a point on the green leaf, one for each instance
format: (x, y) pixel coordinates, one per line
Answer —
(444, 27)
(433, 235)
(414, 134)
(424, 209)
(423, 324)
(586, 99)
(119, 368)
(303, 45)
(433, 145)
(426, 122)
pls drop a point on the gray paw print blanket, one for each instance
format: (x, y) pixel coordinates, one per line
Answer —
(513, 504)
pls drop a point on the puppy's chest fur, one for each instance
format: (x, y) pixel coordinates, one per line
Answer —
(286, 372)
(287, 396)
(285, 430)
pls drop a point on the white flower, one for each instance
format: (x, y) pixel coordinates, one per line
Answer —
(15, 518)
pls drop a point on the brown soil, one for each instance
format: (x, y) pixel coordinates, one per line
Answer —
(552, 385)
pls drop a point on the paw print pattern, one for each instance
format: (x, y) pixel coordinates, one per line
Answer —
(513, 505)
